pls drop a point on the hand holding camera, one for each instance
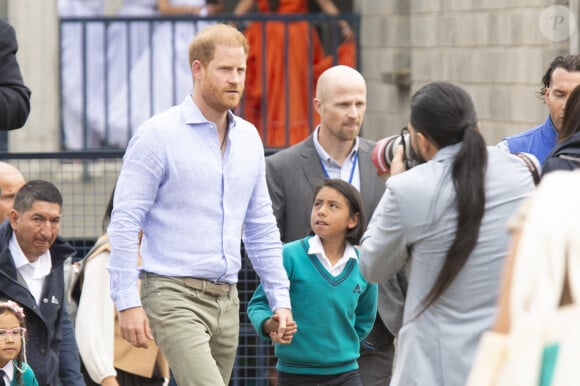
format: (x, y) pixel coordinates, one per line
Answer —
(398, 163)
(394, 154)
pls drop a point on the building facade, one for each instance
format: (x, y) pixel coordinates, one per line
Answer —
(497, 49)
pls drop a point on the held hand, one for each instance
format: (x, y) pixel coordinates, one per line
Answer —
(286, 326)
(134, 326)
(398, 164)
(270, 327)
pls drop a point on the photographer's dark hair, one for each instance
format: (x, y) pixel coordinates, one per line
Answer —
(571, 121)
(570, 63)
(445, 114)
(354, 200)
(36, 190)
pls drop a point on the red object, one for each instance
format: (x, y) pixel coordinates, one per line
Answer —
(378, 157)
(286, 106)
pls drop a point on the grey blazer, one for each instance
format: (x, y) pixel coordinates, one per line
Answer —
(293, 174)
(414, 224)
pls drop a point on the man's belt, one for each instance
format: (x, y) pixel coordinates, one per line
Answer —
(206, 286)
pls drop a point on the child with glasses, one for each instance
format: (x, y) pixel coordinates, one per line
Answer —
(14, 370)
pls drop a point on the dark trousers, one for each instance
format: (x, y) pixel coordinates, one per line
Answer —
(350, 378)
(376, 356)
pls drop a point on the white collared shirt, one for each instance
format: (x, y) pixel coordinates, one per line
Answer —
(334, 169)
(200, 211)
(32, 273)
(8, 372)
(316, 248)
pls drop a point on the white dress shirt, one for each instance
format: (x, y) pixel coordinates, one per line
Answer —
(32, 273)
(316, 248)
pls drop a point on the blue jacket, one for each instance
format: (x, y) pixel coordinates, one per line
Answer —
(50, 347)
(538, 141)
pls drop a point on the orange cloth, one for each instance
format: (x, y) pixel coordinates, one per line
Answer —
(288, 104)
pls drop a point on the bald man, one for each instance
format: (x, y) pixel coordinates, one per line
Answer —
(11, 180)
(335, 150)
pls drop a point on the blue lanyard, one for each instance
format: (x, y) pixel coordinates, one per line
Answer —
(354, 161)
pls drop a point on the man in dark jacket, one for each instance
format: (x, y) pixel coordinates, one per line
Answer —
(14, 95)
(31, 274)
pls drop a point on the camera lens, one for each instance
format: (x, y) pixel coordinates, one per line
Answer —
(384, 151)
(380, 155)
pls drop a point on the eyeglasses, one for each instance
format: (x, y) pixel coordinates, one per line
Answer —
(14, 333)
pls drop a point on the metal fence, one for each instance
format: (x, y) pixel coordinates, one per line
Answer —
(87, 175)
(118, 71)
(86, 180)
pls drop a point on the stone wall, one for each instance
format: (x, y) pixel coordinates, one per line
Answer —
(495, 49)
(36, 28)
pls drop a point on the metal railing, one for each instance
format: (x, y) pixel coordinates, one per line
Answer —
(87, 175)
(118, 71)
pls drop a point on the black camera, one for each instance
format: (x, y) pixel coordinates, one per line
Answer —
(384, 151)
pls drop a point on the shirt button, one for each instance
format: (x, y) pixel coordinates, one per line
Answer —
(45, 300)
(42, 351)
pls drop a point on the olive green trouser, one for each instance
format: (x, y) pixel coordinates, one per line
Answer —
(197, 331)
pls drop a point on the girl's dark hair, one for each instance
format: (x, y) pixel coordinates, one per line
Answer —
(354, 200)
(445, 114)
(9, 306)
(571, 121)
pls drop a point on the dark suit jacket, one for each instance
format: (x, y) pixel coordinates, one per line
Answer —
(292, 176)
(14, 95)
(50, 345)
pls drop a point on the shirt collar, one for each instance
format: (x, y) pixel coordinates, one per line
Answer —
(447, 152)
(316, 248)
(192, 114)
(323, 155)
(41, 267)
(9, 370)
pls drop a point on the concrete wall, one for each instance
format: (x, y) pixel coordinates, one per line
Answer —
(386, 63)
(495, 49)
(36, 25)
(36, 28)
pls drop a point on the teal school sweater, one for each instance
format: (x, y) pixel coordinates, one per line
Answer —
(333, 314)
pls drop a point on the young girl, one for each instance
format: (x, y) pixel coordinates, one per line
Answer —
(334, 307)
(14, 370)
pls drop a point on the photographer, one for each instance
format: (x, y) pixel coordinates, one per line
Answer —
(449, 215)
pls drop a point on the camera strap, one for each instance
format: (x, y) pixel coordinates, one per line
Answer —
(531, 166)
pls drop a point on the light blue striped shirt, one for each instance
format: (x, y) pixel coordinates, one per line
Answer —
(349, 171)
(193, 206)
